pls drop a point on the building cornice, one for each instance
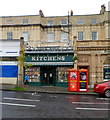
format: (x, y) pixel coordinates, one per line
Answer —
(93, 48)
(21, 25)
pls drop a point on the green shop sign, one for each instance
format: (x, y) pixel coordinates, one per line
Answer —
(49, 58)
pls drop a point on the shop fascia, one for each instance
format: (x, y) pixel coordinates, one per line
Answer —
(48, 58)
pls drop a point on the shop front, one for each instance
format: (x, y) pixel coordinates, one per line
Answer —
(49, 69)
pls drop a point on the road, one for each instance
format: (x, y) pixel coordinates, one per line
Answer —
(43, 105)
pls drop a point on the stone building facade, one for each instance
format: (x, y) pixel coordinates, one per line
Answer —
(54, 36)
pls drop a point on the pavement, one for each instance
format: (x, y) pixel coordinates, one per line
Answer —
(46, 89)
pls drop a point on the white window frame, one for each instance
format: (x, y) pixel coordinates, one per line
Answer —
(25, 35)
(50, 37)
(25, 21)
(95, 36)
(64, 37)
(81, 35)
(80, 22)
(9, 35)
(64, 22)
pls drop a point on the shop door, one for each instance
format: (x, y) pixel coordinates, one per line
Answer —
(48, 75)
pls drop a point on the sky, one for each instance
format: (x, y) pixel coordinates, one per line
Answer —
(51, 7)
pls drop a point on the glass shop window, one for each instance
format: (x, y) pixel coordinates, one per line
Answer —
(62, 74)
(34, 74)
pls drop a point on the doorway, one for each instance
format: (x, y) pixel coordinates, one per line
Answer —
(48, 75)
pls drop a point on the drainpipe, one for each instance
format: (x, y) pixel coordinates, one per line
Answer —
(75, 51)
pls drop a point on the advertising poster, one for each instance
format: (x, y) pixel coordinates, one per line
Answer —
(107, 73)
(73, 75)
(83, 78)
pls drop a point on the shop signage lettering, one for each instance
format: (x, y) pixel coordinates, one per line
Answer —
(48, 58)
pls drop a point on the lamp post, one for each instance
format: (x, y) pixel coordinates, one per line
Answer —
(75, 52)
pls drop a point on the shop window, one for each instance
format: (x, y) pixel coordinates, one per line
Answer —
(62, 74)
(34, 74)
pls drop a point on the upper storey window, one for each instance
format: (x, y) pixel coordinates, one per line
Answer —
(25, 35)
(9, 35)
(64, 22)
(50, 23)
(94, 21)
(80, 35)
(9, 22)
(80, 22)
(50, 37)
(94, 35)
(25, 21)
(64, 37)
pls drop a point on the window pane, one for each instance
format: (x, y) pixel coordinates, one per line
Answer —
(64, 37)
(9, 35)
(64, 22)
(9, 22)
(93, 21)
(80, 35)
(62, 74)
(80, 22)
(94, 35)
(50, 23)
(50, 37)
(25, 35)
(25, 21)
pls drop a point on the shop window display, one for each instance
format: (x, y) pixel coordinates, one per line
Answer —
(34, 74)
(62, 74)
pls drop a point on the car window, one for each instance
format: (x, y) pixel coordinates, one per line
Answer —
(102, 82)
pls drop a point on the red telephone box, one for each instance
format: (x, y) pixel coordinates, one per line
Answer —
(83, 80)
(73, 80)
(78, 80)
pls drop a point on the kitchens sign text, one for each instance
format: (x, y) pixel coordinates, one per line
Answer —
(49, 58)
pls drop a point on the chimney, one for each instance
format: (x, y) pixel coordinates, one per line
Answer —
(103, 9)
(71, 13)
(41, 13)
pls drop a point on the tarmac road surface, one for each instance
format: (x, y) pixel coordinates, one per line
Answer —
(45, 105)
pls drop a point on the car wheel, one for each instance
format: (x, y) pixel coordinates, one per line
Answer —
(107, 93)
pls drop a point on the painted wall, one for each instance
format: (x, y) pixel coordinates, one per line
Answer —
(9, 48)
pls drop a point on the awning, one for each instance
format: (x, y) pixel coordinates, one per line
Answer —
(50, 63)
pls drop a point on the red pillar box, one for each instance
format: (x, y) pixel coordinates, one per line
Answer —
(72, 80)
(83, 80)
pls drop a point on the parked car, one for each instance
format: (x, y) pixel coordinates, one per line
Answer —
(102, 88)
